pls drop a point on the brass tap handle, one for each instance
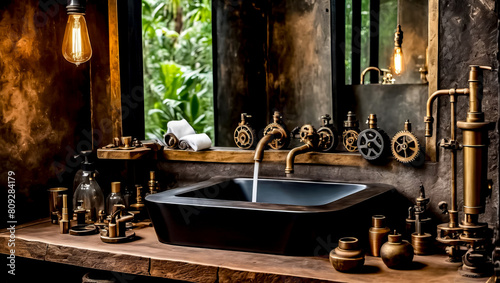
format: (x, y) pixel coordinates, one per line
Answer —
(295, 132)
(277, 118)
(428, 120)
(443, 206)
(326, 120)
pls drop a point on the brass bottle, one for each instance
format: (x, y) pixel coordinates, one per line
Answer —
(377, 234)
(396, 253)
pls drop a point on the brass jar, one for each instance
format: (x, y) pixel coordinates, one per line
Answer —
(396, 253)
(377, 234)
(347, 257)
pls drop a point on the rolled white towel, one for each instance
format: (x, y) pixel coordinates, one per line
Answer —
(196, 142)
(180, 128)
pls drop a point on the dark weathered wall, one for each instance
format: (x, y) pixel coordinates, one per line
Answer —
(272, 55)
(45, 105)
(299, 65)
(241, 65)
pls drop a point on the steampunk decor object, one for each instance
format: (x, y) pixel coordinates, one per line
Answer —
(404, 145)
(347, 257)
(351, 132)
(244, 135)
(373, 143)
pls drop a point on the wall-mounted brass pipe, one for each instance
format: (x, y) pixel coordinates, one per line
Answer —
(259, 150)
(428, 118)
(294, 152)
(448, 144)
(362, 80)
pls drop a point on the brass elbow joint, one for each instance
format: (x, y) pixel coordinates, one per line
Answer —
(310, 138)
(290, 158)
(275, 133)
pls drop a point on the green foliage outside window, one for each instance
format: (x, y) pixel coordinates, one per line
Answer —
(177, 50)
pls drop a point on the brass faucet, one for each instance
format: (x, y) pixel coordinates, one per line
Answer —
(275, 135)
(475, 140)
(310, 138)
(365, 71)
(386, 74)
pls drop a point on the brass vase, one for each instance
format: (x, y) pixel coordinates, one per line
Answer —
(396, 253)
(347, 257)
(377, 234)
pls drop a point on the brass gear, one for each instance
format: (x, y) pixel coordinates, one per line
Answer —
(278, 143)
(244, 137)
(350, 140)
(405, 147)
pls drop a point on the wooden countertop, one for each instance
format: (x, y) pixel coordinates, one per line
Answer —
(146, 256)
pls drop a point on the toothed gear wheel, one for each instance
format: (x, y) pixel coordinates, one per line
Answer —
(244, 137)
(327, 139)
(405, 147)
(277, 143)
(373, 144)
(350, 140)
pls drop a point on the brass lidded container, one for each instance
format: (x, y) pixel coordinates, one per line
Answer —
(377, 234)
(396, 252)
(347, 257)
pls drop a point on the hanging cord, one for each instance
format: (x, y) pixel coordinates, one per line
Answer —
(398, 17)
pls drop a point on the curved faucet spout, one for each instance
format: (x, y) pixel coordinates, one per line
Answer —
(428, 118)
(259, 150)
(290, 158)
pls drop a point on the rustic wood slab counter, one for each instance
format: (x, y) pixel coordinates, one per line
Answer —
(147, 256)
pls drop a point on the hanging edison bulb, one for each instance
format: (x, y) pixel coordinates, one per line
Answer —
(397, 56)
(76, 46)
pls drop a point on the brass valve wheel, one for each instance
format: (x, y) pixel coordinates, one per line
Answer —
(373, 144)
(244, 137)
(278, 143)
(405, 147)
(327, 139)
(350, 140)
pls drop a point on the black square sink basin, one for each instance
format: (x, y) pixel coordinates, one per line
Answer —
(290, 217)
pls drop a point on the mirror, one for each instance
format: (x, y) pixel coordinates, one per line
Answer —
(277, 55)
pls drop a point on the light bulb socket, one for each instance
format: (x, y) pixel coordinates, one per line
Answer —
(398, 37)
(76, 7)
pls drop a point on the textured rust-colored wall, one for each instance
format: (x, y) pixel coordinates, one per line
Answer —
(44, 108)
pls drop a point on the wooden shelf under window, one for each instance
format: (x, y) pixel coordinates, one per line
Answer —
(233, 155)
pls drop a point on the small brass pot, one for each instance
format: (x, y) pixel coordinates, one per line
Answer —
(347, 257)
(396, 253)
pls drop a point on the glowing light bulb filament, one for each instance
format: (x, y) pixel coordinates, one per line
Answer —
(77, 40)
(398, 61)
(76, 43)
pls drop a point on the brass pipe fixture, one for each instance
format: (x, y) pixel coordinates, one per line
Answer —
(261, 145)
(476, 260)
(310, 138)
(365, 71)
(275, 135)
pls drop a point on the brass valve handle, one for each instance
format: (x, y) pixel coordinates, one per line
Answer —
(283, 138)
(244, 135)
(443, 205)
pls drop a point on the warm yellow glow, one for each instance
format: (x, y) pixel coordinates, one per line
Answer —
(76, 42)
(399, 61)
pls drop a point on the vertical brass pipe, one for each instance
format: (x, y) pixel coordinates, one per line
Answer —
(453, 214)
